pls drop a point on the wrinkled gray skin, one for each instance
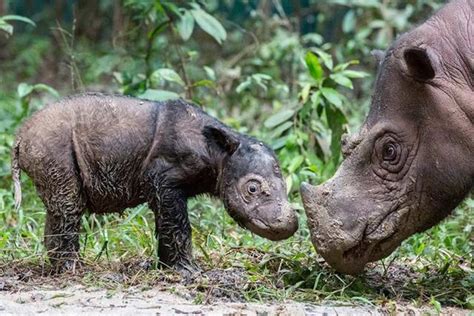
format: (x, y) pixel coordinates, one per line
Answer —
(105, 153)
(412, 162)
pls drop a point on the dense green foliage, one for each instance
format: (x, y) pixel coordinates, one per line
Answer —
(298, 86)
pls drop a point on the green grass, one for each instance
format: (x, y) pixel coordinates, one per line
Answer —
(434, 267)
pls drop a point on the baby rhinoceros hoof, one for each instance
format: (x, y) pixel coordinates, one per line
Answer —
(67, 266)
(189, 271)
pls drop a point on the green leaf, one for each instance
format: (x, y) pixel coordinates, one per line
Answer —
(185, 25)
(325, 57)
(332, 96)
(354, 74)
(43, 87)
(210, 73)
(316, 99)
(278, 118)
(304, 95)
(204, 83)
(243, 85)
(436, 305)
(168, 75)
(159, 95)
(260, 76)
(280, 129)
(336, 120)
(17, 18)
(343, 66)
(343, 81)
(7, 28)
(24, 89)
(314, 66)
(279, 142)
(209, 24)
(313, 38)
(349, 22)
(170, 6)
(295, 163)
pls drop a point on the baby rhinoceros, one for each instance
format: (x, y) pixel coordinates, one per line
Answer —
(106, 153)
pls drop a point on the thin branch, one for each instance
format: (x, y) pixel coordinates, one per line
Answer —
(149, 48)
(188, 85)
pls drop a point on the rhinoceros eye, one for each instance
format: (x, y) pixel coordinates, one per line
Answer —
(389, 151)
(389, 156)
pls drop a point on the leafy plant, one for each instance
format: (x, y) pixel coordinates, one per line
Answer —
(7, 27)
(25, 92)
(166, 16)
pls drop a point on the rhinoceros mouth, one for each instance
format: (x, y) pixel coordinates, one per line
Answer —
(377, 241)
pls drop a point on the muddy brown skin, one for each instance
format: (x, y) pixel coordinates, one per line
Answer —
(105, 153)
(412, 161)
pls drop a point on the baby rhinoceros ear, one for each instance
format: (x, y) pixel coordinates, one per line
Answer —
(221, 139)
(379, 55)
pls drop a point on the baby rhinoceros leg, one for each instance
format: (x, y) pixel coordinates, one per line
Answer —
(173, 230)
(65, 202)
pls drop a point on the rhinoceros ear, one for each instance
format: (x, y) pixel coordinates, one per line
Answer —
(419, 63)
(221, 139)
(379, 55)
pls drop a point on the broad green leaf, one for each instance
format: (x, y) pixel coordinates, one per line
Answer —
(354, 74)
(343, 81)
(280, 129)
(261, 85)
(332, 96)
(367, 3)
(362, 33)
(43, 87)
(210, 73)
(168, 75)
(315, 99)
(314, 66)
(312, 38)
(279, 142)
(470, 202)
(170, 6)
(304, 95)
(17, 18)
(209, 24)
(243, 85)
(185, 25)
(204, 83)
(118, 76)
(278, 118)
(336, 121)
(159, 95)
(7, 28)
(349, 22)
(343, 66)
(260, 76)
(377, 24)
(295, 163)
(325, 57)
(24, 89)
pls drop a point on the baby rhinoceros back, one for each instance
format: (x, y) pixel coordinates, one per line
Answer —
(105, 153)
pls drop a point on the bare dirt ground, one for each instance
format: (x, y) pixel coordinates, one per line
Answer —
(135, 291)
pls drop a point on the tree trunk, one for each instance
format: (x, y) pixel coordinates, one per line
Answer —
(3, 7)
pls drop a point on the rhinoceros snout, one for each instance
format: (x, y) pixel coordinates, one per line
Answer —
(328, 235)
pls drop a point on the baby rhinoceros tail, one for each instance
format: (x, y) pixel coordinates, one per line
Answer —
(15, 169)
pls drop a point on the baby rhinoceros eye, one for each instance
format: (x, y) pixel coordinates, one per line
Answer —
(389, 151)
(253, 187)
